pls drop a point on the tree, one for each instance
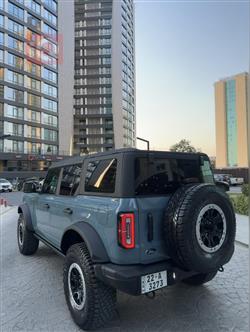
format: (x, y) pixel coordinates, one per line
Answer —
(183, 146)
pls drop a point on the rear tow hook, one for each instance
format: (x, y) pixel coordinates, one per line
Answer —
(221, 269)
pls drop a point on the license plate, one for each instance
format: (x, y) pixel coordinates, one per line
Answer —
(151, 282)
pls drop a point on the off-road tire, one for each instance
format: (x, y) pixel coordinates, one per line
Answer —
(27, 242)
(100, 301)
(180, 221)
(199, 279)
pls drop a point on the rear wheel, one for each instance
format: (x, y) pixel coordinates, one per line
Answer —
(199, 279)
(91, 302)
(27, 242)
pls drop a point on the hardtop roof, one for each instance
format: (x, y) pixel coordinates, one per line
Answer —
(79, 159)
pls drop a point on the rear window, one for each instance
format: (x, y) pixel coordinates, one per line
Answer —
(164, 176)
(100, 176)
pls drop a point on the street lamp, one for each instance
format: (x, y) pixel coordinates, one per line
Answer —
(144, 140)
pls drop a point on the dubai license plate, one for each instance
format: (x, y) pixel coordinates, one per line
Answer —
(151, 282)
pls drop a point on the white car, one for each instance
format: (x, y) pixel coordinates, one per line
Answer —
(236, 181)
(5, 185)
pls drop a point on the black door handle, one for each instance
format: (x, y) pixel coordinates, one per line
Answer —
(46, 206)
(68, 211)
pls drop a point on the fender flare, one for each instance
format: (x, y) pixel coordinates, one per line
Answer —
(92, 240)
(24, 209)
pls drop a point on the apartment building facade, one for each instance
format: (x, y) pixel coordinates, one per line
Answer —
(28, 83)
(231, 114)
(104, 99)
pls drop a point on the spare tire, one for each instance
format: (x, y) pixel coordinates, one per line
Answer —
(199, 228)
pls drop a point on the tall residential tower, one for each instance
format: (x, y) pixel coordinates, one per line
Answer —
(28, 83)
(104, 109)
(231, 121)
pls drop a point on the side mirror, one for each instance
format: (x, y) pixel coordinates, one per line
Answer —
(29, 187)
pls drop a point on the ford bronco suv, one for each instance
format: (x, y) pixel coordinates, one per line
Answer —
(128, 220)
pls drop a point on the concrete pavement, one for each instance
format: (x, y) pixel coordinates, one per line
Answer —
(32, 297)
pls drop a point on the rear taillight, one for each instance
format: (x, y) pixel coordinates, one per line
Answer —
(126, 230)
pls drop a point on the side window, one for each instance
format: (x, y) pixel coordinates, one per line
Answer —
(70, 179)
(207, 172)
(100, 176)
(51, 180)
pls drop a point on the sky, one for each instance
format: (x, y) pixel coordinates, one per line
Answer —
(182, 48)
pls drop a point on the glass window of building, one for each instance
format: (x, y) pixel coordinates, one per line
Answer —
(51, 4)
(15, 11)
(49, 90)
(33, 116)
(15, 61)
(34, 22)
(49, 105)
(51, 149)
(14, 77)
(1, 73)
(1, 4)
(50, 135)
(49, 17)
(17, 146)
(1, 38)
(34, 6)
(16, 27)
(33, 84)
(49, 46)
(49, 31)
(14, 112)
(1, 56)
(34, 100)
(14, 95)
(48, 60)
(33, 68)
(15, 44)
(49, 120)
(13, 129)
(49, 75)
(1, 20)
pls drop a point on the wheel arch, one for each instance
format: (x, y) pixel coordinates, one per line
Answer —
(24, 209)
(83, 232)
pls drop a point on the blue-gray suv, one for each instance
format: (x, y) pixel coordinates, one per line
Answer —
(131, 220)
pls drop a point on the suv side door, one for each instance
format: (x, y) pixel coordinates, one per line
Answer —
(45, 202)
(65, 206)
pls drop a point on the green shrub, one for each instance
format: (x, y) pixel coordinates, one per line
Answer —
(245, 189)
(240, 204)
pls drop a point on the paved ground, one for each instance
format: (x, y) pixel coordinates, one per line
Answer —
(235, 190)
(14, 198)
(32, 296)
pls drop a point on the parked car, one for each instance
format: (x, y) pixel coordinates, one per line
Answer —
(5, 185)
(234, 181)
(128, 220)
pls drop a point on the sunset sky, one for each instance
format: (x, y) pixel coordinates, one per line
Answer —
(182, 48)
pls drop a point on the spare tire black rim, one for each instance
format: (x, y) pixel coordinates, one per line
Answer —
(211, 228)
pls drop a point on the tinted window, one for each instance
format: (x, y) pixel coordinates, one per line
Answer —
(70, 179)
(164, 176)
(100, 176)
(51, 180)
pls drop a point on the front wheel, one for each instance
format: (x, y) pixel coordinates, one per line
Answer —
(91, 302)
(27, 242)
(199, 279)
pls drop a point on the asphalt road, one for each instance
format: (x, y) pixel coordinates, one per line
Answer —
(32, 297)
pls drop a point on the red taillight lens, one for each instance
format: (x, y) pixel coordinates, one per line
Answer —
(126, 230)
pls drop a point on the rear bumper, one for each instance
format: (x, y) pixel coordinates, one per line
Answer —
(127, 278)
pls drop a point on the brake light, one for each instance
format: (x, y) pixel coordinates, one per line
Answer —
(126, 230)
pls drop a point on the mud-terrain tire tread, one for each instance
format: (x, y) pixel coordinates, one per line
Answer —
(101, 299)
(174, 222)
(30, 242)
